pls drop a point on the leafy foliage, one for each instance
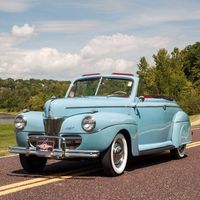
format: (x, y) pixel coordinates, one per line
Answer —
(15, 95)
(175, 74)
(192, 63)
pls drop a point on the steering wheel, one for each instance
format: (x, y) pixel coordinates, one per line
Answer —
(119, 93)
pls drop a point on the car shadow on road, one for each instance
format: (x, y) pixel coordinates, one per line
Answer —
(149, 160)
(92, 169)
(56, 169)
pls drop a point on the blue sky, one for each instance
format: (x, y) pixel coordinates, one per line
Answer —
(65, 38)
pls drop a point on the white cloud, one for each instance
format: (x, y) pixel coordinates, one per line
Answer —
(6, 41)
(108, 6)
(67, 26)
(41, 63)
(23, 31)
(111, 65)
(167, 13)
(104, 54)
(14, 5)
(118, 43)
(18, 34)
(51, 60)
(158, 18)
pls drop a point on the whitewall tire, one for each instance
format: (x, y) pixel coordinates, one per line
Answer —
(179, 152)
(115, 159)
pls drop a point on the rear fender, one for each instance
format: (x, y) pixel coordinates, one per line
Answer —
(180, 131)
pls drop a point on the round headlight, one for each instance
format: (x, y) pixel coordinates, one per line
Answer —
(88, 124)
(20, 122)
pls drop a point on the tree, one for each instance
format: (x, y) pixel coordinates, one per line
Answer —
(15, 95)
(147, 78)
(192, 63)
(167, 77)
(35, 103)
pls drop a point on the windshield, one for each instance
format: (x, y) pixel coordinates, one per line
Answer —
(102, 87)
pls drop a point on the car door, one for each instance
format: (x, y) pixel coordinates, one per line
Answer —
(152, 126)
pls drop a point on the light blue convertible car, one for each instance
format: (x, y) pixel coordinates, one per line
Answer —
(102, 117)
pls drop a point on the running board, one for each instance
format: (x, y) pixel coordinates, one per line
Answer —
(154, 146)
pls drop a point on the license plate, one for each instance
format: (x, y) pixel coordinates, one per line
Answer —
(44, 145)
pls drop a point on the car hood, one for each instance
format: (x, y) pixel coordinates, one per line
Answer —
(71, 106)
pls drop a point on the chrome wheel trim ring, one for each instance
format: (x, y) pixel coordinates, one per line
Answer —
(119, 153)
(181, 150)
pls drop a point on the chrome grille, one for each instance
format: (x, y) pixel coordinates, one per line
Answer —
(52, 126)
(72, 141)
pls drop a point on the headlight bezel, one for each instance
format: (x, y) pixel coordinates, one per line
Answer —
(88, 124)
(20, 122)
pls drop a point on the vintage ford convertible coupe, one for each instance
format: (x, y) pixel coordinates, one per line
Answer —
(102, 117)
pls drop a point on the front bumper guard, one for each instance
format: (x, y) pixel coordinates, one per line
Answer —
(57, 153)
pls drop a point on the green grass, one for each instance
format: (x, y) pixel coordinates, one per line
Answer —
(196, 126)
(194, 117)
(7, 138)
(4, 111)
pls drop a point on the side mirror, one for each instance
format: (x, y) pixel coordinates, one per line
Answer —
(141, 98)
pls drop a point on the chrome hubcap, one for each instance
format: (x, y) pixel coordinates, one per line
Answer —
(181, 150)
(118, 153)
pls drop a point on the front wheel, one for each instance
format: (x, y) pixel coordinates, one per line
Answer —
(115, 159)
(179, 152)
(32, 163)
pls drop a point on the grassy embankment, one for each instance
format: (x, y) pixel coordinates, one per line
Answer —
(4, 111)
(195, 121)
(7, 137)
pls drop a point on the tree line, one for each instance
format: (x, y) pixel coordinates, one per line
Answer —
(16, 95)
(175, 74)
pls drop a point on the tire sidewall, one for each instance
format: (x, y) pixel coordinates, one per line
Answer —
(119, 170)
(183, 152)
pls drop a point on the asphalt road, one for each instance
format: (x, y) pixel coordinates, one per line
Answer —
(150, 177)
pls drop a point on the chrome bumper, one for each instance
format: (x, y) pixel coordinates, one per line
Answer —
(56, 153)
(61, 152)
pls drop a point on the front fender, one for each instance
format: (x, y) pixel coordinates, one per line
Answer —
(103, 121)
(102, 140)
(34, 125)
(108, 124)
(34, 121)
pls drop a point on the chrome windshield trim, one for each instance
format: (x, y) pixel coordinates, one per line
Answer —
(99, 85)
(126, 106)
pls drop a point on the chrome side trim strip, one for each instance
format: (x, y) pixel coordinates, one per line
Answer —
(113, 125)
(99, 107)
(157, 106)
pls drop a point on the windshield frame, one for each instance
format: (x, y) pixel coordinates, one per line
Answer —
(99, 85)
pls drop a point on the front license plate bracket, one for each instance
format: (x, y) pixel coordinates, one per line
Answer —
(45, 145)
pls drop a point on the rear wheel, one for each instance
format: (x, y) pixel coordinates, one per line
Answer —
(179, 152)
(32, 163)
(115, 159)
